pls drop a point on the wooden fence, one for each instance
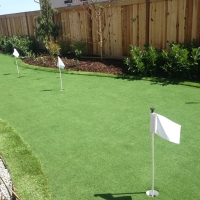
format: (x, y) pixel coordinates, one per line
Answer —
(137, 22)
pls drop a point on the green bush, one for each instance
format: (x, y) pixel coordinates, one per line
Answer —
(195, 64)
(150, 58)
(64, 47)
(24, 44)
(176, 61)
(135, 64)
(79, 47)
(181, 61)
(143, 62)
(2, 42)
(52, 48)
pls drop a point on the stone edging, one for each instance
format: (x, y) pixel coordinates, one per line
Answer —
(6, 186)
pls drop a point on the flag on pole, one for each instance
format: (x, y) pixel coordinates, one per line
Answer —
(60, 63)
(165, 128)
(15, 53)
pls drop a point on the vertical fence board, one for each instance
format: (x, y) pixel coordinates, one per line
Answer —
(198, 22)
(110, 29)
(95, 36)
(172, 21)
(9, 27)
(107, 17)
(117, 34)
(65, 17)
(58, 21)
(181, 20)
(194, 18)
(158, 24)
(31, 22)
(3, 26)
(135, 26)
(188, 21)
(195, 35)
(125, 29)
(142, 24)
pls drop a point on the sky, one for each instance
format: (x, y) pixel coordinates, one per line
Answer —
(17, 6)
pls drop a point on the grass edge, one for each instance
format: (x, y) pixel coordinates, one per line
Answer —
(16, 166)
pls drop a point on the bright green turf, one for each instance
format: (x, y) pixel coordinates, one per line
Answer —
(94, 137)
(26, 173)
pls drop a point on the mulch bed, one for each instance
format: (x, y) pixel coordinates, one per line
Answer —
(108, 66)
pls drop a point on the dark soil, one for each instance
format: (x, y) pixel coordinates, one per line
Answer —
(108, 66)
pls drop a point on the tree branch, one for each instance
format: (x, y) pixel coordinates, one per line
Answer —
(36, 1)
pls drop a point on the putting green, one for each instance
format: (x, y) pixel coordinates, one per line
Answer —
(93, 139)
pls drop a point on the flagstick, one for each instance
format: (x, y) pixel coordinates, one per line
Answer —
(152, 164)
(60, 81)
(17, 65)
(152, 192)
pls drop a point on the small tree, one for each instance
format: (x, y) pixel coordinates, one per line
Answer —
(46, 26)
(95, 11)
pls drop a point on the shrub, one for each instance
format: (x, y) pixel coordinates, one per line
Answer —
(2, 42)
(52, 48)
(181, 61)
(135, 64)
(79, 47)
(151, 60)
(176, 62)
(143, 62)
(23, 44)
(64, 47)
(194, 71)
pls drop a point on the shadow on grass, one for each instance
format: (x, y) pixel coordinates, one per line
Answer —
(160, 81)
(153, 80)
(192, 102)
(164, 81)
(129, 78)
(120, 196)
(46, 90)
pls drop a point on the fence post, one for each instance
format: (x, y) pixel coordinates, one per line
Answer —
(27, 24)
(6, 24)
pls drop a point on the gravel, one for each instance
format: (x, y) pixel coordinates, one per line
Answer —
(5, 193)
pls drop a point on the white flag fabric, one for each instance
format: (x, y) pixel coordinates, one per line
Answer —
(165, 128)
(15, 53)
(60, 63)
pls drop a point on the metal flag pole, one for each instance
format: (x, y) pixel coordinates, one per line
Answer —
(61, 87)
(17, 65)
(152, 192)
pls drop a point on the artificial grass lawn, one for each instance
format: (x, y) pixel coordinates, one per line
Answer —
(93, 139)
(24, 168)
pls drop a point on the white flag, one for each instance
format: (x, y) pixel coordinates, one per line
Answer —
(165, 128)
(60, 63)
(15, 53)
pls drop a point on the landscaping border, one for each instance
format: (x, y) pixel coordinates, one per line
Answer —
(163, 81)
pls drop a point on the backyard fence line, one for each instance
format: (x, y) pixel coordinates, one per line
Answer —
(137, 22)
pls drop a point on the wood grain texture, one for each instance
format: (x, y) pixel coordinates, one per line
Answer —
(124, 22)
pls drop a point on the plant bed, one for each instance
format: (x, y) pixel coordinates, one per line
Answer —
(108, 66)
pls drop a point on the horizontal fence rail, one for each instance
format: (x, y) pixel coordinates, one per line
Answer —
(124, 22)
